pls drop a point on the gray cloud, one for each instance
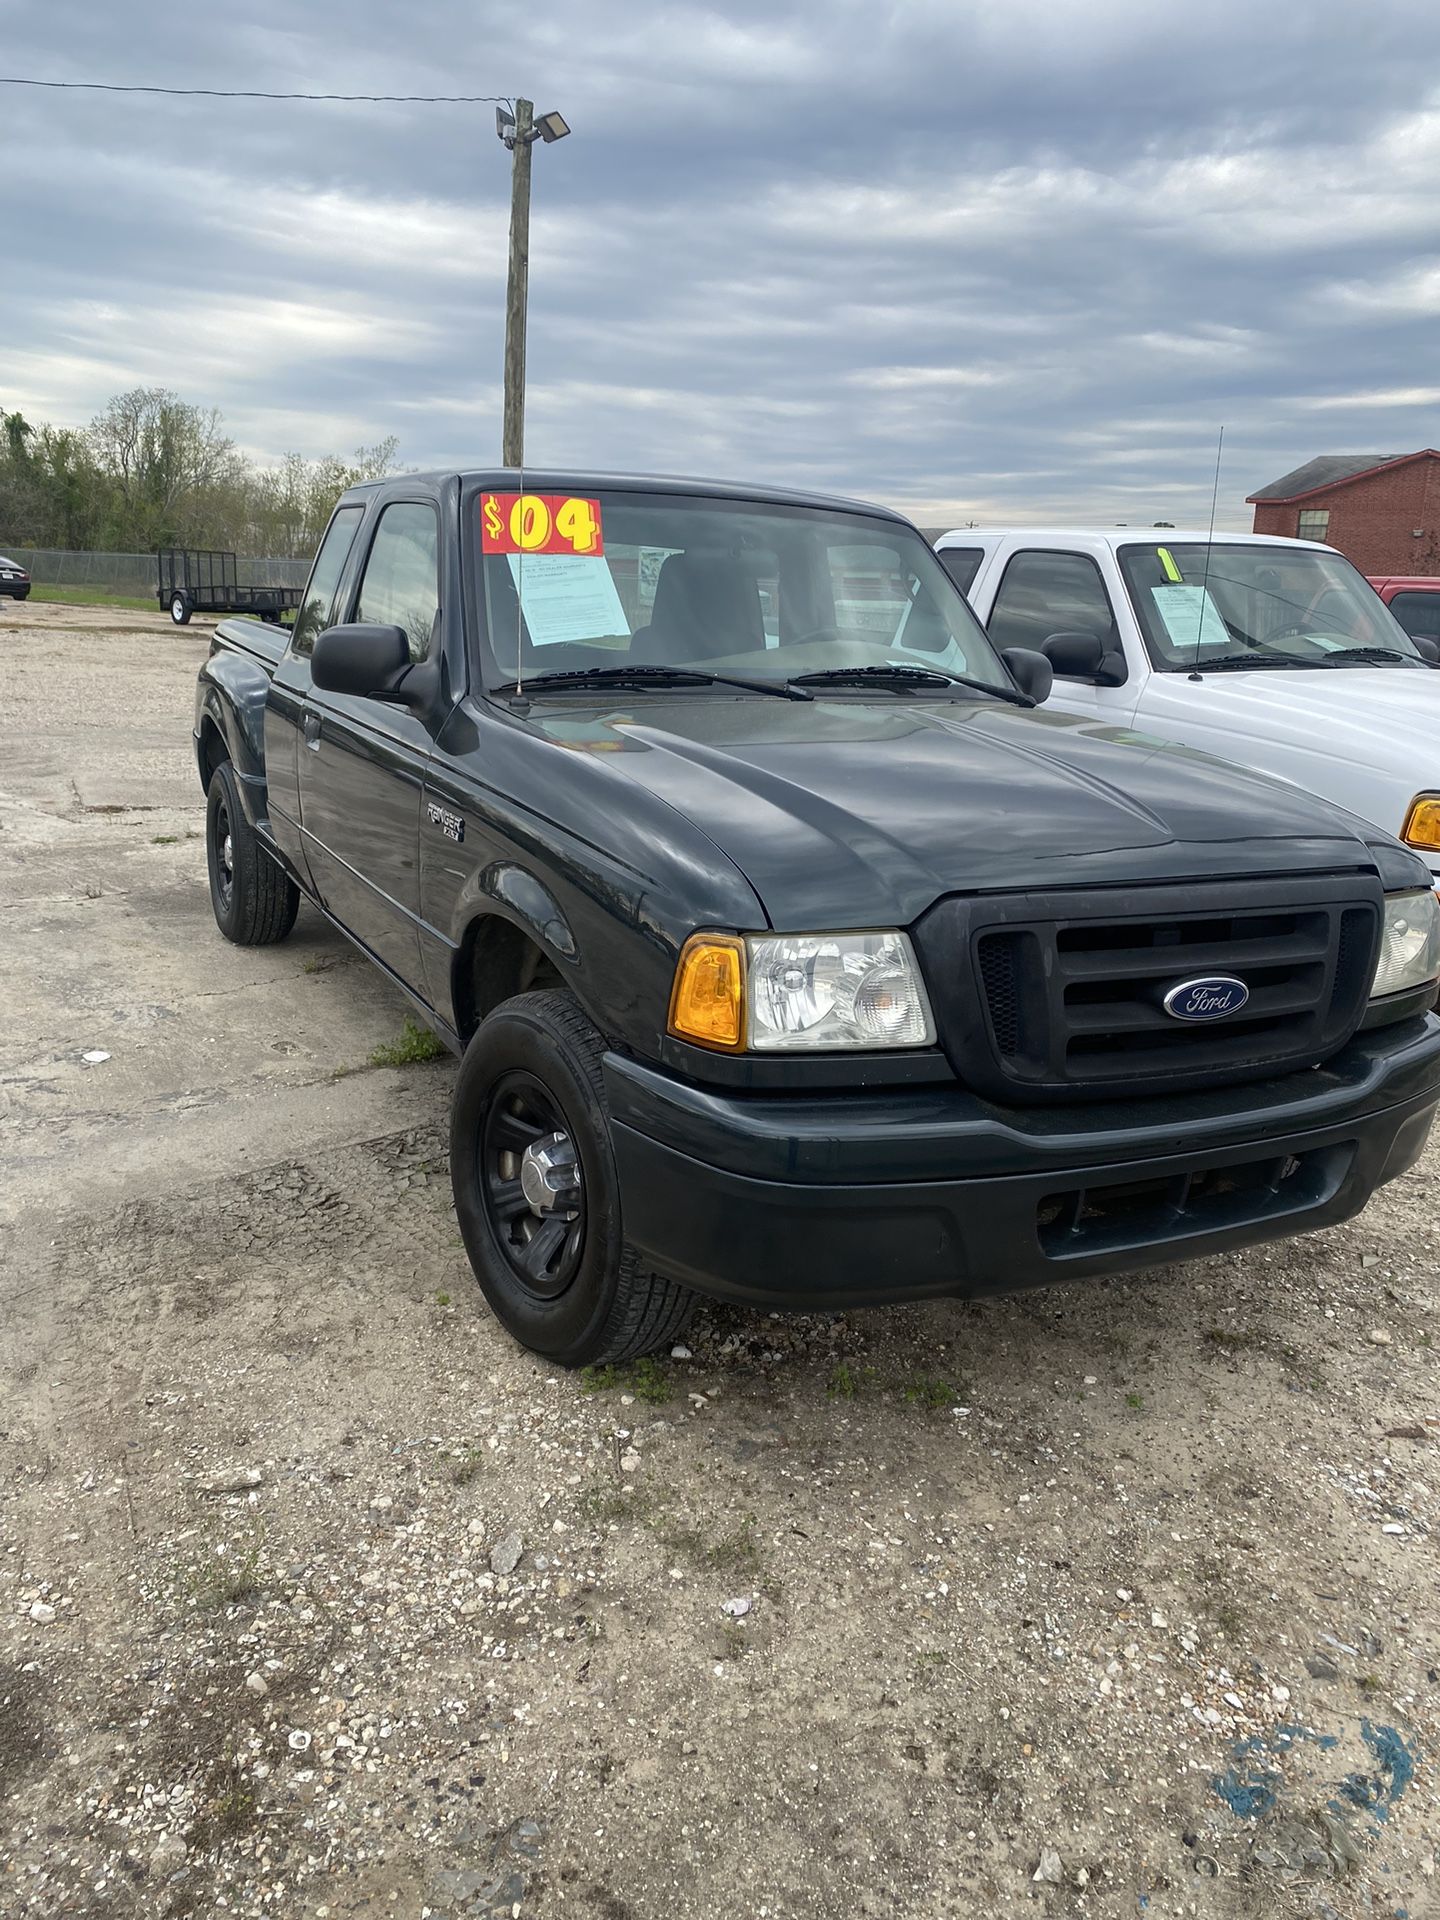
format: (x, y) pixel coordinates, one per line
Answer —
(981, 262)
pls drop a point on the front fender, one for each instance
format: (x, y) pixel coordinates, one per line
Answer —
(230, 697)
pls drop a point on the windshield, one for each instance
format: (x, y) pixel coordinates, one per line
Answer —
(761, 592)
(1301, 605)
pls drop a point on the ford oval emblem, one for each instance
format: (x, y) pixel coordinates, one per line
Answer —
(1209, 999)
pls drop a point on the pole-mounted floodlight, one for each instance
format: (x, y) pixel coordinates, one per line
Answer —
(550, 126)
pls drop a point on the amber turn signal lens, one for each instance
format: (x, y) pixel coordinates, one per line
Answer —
(1422, 823)
(707, 1004)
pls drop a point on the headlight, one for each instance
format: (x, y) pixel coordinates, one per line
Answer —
(1409, 943)
(1422, 822)
(801, 993)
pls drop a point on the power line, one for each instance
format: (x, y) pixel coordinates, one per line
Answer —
(228, 93)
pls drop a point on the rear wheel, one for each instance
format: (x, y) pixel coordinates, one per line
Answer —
(255, 903)
(537, 1195)
(180, 609)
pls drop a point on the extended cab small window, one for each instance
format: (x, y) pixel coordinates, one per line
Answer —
(314, 615)
(961, 563)
(401, 583)
(1045, 593)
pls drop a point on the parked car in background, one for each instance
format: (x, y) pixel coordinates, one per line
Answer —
(1414, 599)
(1274, 653)
(810, 963)
(14, 580)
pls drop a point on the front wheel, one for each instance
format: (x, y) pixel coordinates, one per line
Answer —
(537, 1196)
(180, 609)
(255, 903)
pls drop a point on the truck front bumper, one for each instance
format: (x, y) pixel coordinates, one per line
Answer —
(827, 1201)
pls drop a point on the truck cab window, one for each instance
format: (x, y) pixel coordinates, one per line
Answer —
(401, 583)
(1418, 613)
(314, 614)
(1045, 593)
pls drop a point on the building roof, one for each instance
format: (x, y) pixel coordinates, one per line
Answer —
(1332, 470)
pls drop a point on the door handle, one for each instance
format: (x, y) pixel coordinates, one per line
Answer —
(312, 732)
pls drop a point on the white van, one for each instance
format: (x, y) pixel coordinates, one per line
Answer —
(1274, 653)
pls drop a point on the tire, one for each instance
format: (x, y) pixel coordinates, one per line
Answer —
(180, 609)
(592, 1299)
(255, 902)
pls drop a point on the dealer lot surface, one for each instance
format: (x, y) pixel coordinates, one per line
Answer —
(1130, 1583)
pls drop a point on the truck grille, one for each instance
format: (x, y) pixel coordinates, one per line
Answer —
(1073, 985)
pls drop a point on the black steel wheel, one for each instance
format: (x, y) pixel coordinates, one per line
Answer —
(537, 1196)
(533, 1186)
(254, 902)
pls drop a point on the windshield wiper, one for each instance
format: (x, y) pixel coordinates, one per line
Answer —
(1261, 657)
(1367, 657)
(899, 679)
(649, 676)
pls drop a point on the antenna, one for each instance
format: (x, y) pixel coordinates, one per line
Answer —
(1209, 543)
(519, 591)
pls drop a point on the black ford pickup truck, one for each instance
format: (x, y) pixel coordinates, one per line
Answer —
(796, 953)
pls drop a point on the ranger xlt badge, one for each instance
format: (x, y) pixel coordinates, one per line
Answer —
(450, 824)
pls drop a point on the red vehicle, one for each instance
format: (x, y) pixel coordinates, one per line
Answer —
(1414, 599)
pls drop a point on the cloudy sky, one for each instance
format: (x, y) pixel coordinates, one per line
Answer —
(984, 262)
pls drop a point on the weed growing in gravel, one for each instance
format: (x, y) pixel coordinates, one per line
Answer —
(228, 1815)
(416, 1043)
(737, 1552)
(465, 1465)
(1135, 1401)
(842, 1384)
(442, 1299)
(226, 1577)
(646, 1379)
(164, 839)
(934, 1395)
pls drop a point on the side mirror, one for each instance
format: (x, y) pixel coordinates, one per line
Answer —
(1428, 649)
(1084, 656)
(1031, 671)
(360, 659)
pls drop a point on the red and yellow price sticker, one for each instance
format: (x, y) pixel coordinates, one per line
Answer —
(540, 523)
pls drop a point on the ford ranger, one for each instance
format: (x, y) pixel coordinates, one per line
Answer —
(796, 952)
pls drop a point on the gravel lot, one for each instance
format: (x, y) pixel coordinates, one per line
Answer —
(318, 1597)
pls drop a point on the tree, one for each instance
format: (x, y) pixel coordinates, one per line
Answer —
(153, 470)
(164, 456)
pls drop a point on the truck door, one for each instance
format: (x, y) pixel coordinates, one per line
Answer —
(362, 761)
(1043, 591)
(285, 706)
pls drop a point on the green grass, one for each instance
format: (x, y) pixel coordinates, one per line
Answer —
(415, 1043)
(165, 839)
(92, 597)
(936, 1395)
(646, 1379)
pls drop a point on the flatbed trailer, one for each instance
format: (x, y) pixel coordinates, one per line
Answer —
(193, 580)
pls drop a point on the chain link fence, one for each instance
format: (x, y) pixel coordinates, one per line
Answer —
(132, 576)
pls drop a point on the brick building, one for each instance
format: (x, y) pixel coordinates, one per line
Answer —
(1382, 510)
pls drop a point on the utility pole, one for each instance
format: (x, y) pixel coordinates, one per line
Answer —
(517, 289)
(519, 131)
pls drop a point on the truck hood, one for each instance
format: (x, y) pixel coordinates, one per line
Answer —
(1369, 716)
(855, 813)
